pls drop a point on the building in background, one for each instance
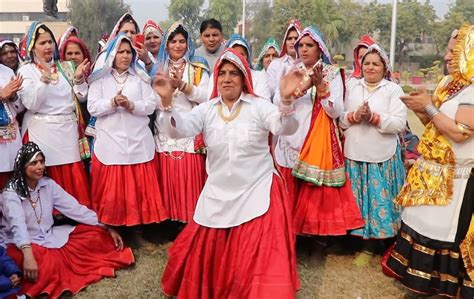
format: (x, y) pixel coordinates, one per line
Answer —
(17, 15)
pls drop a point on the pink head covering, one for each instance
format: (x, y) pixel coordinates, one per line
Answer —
(152, 27)
(364, 42)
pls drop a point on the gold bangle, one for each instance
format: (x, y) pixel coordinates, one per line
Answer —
(463, 129)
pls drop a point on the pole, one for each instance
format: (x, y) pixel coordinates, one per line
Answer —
(243, 18)
(393, 34)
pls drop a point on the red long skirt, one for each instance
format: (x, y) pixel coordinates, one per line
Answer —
(88, 256)
(4, 177)
(71, 177)
(126, 194)
(253, 260)
(292, 184)
(326, 211)
(181, 181)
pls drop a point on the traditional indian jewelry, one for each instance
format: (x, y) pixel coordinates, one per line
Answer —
(374, 119)
(431, 111)
(34, 204)
(52, 77)
(351, 118)
(464, 129)
(286, 109)
(371, 86)
(24, 246)
(120, 83)
(228, 119)
(78, 81)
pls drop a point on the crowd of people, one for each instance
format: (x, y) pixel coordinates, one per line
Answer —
(246, 155)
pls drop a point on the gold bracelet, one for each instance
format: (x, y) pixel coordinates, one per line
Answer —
(463, 129)
(24, 246)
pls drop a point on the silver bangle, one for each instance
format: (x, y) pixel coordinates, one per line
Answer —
(431, 111)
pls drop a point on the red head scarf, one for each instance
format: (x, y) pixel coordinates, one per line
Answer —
(365, 41)
(152, 27)
(78, 41)
(292, 24)
(230, 55)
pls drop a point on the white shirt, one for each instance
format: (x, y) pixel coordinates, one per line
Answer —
(239, 164)
(19, 220)
(260, 85)
(287, 148)
(184, 103)
(365, 142)
(277, 68)
(122, 137)
(8, 150)
(50, 118)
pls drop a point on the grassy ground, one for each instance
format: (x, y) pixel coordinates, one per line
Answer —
(333, 277)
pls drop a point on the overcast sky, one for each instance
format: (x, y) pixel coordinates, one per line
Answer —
(157, 10)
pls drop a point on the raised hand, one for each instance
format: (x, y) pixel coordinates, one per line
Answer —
(417, 100)
(294, 84)
(9, 90)
(81, 70)
(163, 86)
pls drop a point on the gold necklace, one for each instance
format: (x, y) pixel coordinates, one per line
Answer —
(372, 86)
(34, 204)
(228, 119)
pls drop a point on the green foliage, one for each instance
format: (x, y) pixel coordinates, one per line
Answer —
(407, 89)
(261, 26)
(82, 15)
(188, 11)
(228, 12)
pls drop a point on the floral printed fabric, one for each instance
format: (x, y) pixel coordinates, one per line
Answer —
(375, 185)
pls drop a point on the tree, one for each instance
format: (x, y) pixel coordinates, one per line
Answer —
(261, 26)
(462, 11)
(91, 28)
(228, 12)
(187, 11)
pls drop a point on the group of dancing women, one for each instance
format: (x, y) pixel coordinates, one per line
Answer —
(249, 155)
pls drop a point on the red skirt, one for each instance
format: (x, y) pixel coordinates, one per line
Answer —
(73, 179)
(326, 211)
(88, 256)
(126, 194)
(292, 184)
(181, 181)
(253, 260)
(4, 177)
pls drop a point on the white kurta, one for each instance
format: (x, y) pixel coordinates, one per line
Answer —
(50, 118)
(277, 68)
(239, 164)
(185, 103)
(287, 148)
(365, 142)
(122, 137)
(9, 149)
(441, 222)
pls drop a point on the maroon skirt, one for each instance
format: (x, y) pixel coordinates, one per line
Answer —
(253, 260)
(181, 181)
(126, 194)
(4, 177)
(326, 211)
(88, 256)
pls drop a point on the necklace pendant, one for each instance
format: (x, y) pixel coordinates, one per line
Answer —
(38, 221)
(33, 205)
